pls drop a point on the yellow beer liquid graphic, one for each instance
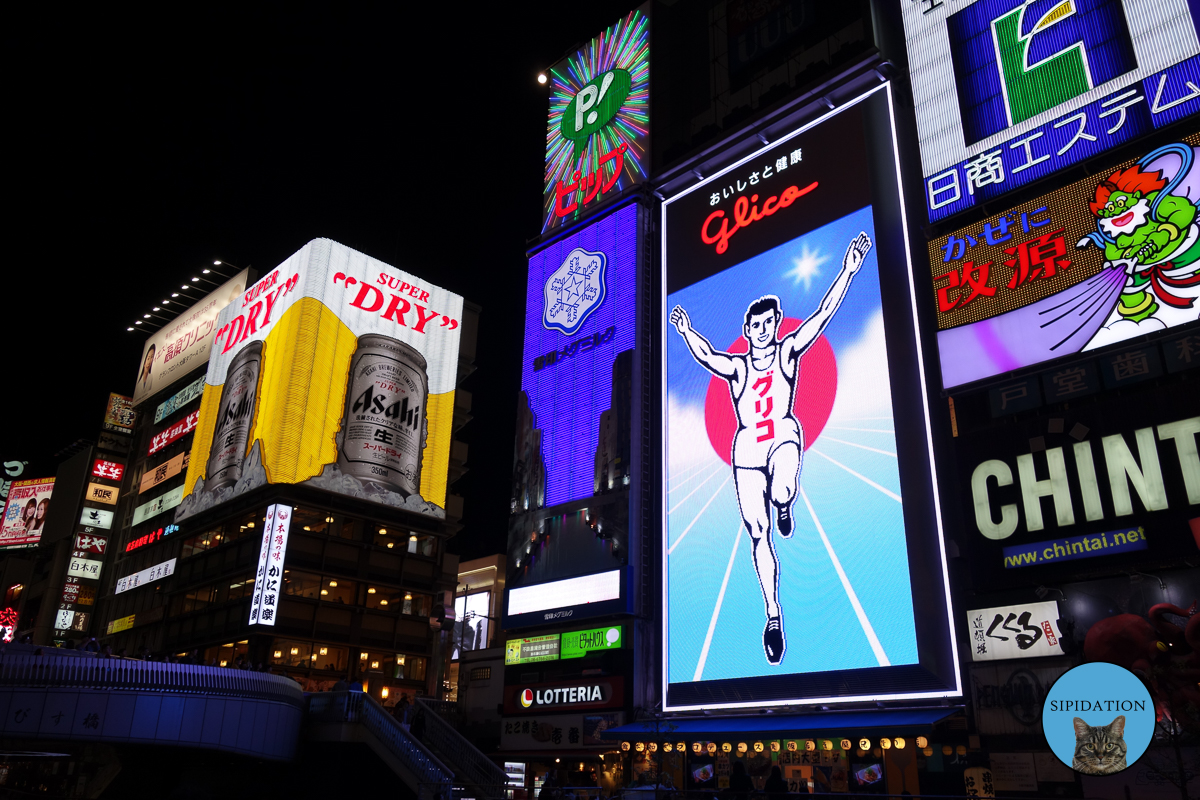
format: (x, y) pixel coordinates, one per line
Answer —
(301, 400)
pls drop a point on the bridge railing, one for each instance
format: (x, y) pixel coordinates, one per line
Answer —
(434, 779)
(116, 673)
(471, 765)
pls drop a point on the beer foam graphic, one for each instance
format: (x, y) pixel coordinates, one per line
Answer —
(306, 359)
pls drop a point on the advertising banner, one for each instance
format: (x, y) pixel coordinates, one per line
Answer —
(164, 502)
(25, 513)
(88, 543)
(121, 624)
(335, 371)
(531, 649)
(574, 434)
(183, 344)
(163, 472)
(187, 394)
(1025, 631)
(84, 568)
(577, 695)
(598, 131)
(790, 358)
(1103, 260)
(163, 570)
(1088, 497)
(578, 644)
(96, 518)
(268, 581)
(111, 470)
(1009, 91)
(119, 415)
(174, 433)
(99, 493)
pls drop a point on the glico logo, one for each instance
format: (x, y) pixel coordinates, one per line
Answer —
(1015, 59)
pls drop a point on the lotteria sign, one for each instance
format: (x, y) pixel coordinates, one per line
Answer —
(602, 693)
(561, 697)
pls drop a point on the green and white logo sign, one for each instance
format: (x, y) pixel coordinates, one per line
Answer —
(594, 106)
(578, 644)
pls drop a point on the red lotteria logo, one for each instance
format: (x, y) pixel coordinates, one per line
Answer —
(527, 698)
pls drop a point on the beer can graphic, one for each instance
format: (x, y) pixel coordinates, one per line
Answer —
(234, 417)
(383, 430)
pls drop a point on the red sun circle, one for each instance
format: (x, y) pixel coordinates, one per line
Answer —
(814, 394)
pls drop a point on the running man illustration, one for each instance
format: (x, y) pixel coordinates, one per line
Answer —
(769, 443)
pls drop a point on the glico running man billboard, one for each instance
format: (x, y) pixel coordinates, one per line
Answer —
(574, 424)
(802, 553)
(1009, 91)
(1103, 260)
(336, 371)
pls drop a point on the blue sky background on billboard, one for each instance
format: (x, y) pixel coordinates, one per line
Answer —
(569, 378)
(1036, 90)
(845, 568)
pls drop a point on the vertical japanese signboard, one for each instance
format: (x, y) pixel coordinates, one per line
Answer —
(184, 343)
(335, 371)
(268, 580)
(119, 414)
(1009, 91)
(1103, 260)
(791, 359)
(25, 513)
(597, 135)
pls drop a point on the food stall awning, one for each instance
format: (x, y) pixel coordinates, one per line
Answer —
(783, 726)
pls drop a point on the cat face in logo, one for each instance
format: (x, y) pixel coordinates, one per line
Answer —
(1099, 750)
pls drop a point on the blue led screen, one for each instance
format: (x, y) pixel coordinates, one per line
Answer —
(580, 314)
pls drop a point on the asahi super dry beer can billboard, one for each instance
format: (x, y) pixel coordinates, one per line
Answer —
(337, 371)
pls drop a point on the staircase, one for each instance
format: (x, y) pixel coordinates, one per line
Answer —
(354, 716)
(474, 773)
(440, 765)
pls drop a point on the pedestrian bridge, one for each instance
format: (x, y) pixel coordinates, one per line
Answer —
(145, 702)
(70, 696)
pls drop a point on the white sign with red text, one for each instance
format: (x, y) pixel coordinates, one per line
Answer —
(268, 581)
(184, 343)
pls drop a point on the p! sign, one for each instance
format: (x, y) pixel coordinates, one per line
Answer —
(594, 106)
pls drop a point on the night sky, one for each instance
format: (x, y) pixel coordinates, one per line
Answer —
(144, 144)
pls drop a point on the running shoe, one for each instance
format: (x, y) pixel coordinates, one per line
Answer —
(786, 522)
(773, 642)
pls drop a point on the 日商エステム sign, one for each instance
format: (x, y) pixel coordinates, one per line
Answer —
(1007, 92)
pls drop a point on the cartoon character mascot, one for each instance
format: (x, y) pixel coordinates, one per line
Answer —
(1146, 224)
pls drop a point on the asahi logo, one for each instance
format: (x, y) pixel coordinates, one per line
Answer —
(371, 403)
(237, 410)
(563, 696)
